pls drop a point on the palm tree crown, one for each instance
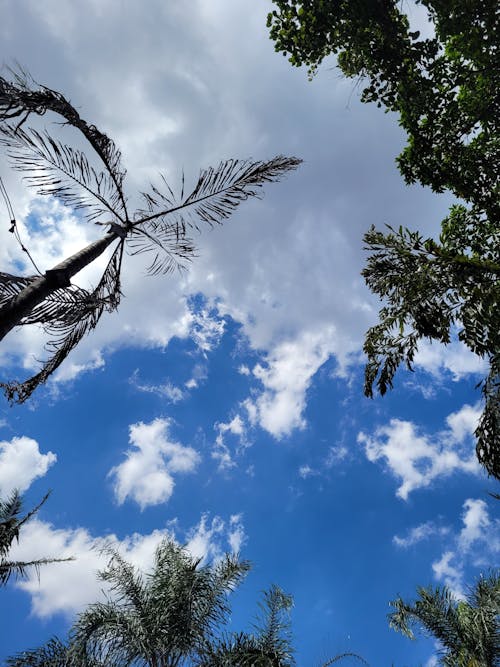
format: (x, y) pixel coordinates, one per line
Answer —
(468, 630)
(162, 227)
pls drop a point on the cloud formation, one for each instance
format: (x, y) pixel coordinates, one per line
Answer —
(147, 474)
(21, 462)
(66, 588)
(417, 459)
(477, 543)
(286, 376)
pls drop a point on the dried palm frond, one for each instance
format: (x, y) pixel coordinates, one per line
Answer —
(11, 286)
(165, 220)
(23, 96)
(70, 328)
(53, 168)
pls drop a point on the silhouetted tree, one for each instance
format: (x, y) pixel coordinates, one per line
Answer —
(161, 228)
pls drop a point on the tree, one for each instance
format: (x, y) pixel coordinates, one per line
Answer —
(468, 630)
(173, 616)
(161, 228)
(10, 526)
(446, 91)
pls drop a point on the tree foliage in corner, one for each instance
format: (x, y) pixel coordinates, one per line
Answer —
(94, 183)
(11, 523)
(468, 630)
(445, 89)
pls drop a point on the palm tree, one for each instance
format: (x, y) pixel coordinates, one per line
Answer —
(468, 630)
(10, 526)
(160, 619)
(174, 616)
(161, 227)
(269, 645)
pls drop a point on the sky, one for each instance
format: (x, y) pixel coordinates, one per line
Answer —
(224, 406)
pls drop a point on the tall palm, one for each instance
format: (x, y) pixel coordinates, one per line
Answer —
(161, 227)
(468, 630)
(11, 523)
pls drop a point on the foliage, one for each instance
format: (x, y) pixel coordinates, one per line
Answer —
(10, 526)
(468, 630)
(445, 89)
(175, 615)
(162, 227)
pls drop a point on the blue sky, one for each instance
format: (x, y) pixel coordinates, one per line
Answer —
(225, 406)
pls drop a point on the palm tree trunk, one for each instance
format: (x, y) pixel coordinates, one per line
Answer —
(23, 303)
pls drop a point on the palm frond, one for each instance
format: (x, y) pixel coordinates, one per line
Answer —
(22, 96)
(76, 323)
(19, 569)
(218, 192)
(52, 654)
(53, 168)
(171, 248)
(343, 656)
(10, 286)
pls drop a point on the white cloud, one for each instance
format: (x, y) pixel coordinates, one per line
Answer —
(286, 376)
(418, 459)
(477, 543)
(146, 475)
(476, 523)
(166, 390)
(306, 471)
(209, 539)
(281, 267)
(419, 533)
(21, 462)
(68, 587)
(336, 454)
(454, 358)
(221, 451)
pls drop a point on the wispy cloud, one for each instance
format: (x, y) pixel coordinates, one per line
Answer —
(166, 389)
(68, 587)
(420, 533)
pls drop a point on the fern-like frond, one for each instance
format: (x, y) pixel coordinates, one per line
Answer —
(19, 569)
(169, 245)
(73, 327)
(52, 654)
(53, 168)
(22, 96)
(10, 286)
(218, 192)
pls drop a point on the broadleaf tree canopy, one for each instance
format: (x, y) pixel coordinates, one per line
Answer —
(445, 89)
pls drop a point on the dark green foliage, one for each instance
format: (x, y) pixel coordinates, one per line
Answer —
(445, 90)
(467, 630)
(11, 523)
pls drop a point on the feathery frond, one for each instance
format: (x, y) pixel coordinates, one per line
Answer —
(218, 192)
(11, 286)
(54, 168)
(161, 229)
(23, 96)
(72, 324)
(10, 525)
(468, 630)
(53, 654)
